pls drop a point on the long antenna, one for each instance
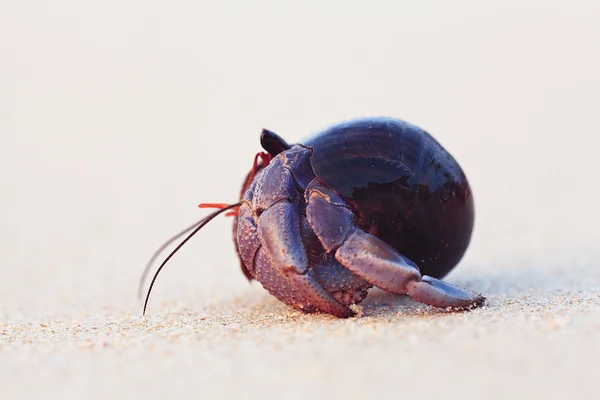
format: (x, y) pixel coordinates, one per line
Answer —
(160, 250)
(199, 226)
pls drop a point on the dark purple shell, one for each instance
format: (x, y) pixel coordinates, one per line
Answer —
(403, 186)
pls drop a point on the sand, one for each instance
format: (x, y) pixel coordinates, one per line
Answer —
(536, 338)
(117, 120)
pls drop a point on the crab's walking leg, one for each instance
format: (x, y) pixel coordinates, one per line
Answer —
(372, 259)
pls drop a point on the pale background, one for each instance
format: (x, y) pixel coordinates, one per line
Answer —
(118, 117)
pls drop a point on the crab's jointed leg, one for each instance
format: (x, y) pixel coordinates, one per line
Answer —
(371, 258)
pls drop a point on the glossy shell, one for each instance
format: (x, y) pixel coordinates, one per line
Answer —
(403, 186)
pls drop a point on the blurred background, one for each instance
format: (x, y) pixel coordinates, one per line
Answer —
(118, 117)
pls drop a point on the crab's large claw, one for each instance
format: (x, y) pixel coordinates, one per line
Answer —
(372, 259)
(271, 243)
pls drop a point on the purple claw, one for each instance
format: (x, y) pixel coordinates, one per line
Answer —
(302, 292)
(279, 230)
(272, 238)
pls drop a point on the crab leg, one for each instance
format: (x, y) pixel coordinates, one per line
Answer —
(371, 258)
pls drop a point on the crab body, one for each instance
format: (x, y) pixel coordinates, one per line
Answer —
(367, 202)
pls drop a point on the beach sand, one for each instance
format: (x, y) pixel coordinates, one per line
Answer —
(118, 120)
(537, 337)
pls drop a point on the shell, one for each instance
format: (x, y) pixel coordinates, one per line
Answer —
(403, 186)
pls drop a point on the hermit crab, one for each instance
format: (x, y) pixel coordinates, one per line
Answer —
(369, 202)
